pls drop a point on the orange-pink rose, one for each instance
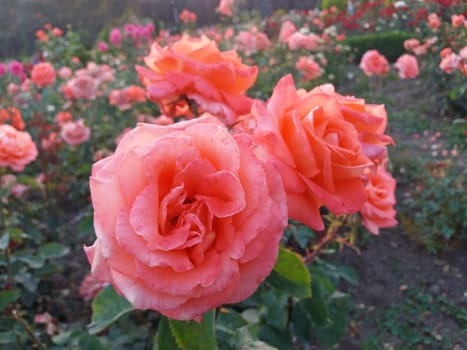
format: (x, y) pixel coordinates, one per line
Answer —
(75, 132)
(316, 151)
(186, 217)
(374, 63)
(17, 149)
(378, 210)
(407, 66)
(369, 120)
(458, 20)
(43, 74)
(193, 76)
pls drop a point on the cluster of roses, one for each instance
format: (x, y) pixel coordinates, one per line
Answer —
(373, 63)
(189, 216)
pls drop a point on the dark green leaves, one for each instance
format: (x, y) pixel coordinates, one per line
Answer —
(186, 335)
(107, 307)
(8, 296)
(290, 274)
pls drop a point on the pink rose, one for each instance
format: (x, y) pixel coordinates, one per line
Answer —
(186, 218)
(407, 66)
(309, 68)
(457, 20)
(194, 76)
(75, 132)
(16, 68)
(450, 63)
(299, 40)
(17, 149)
(410, 44)
(225, 7)
(43, 74)
(252, 41)
(373, 63)
(65, 73)
(83, 86)
(378, 210)
(287, 29)
(433, 21)
(315, 149)
(102, 46)
(115, 37)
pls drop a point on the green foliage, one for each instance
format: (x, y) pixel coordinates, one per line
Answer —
(190, 335)
(107, 307)
(436, 212)
(390, 44)
(339, 4)
(290, 274)
(407, 322)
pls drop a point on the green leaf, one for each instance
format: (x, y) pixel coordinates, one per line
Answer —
(164, 338)
(107, 307)
(349, 274)
(316, 309)
(91, 342)
(8, 296)
(278, 338)
(191, 335)
(290, 274)
(53, 250)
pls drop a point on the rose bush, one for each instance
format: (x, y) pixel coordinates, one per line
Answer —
(186, 218)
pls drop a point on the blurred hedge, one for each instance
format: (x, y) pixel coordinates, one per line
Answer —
(390, 44)
(339, 4)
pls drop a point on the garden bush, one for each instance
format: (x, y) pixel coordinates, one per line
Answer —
(339, 4)
(390, 44)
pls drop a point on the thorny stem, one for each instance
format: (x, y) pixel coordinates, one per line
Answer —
(330, 236)
(28, 330)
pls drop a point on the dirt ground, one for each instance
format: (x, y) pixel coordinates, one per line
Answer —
(404, 291)
(391, 266)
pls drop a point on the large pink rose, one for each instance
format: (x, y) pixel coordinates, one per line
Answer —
(374, 63)
(378, 210)
(193, 76)
(315, 149)
(186, 217)
(17, 149)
